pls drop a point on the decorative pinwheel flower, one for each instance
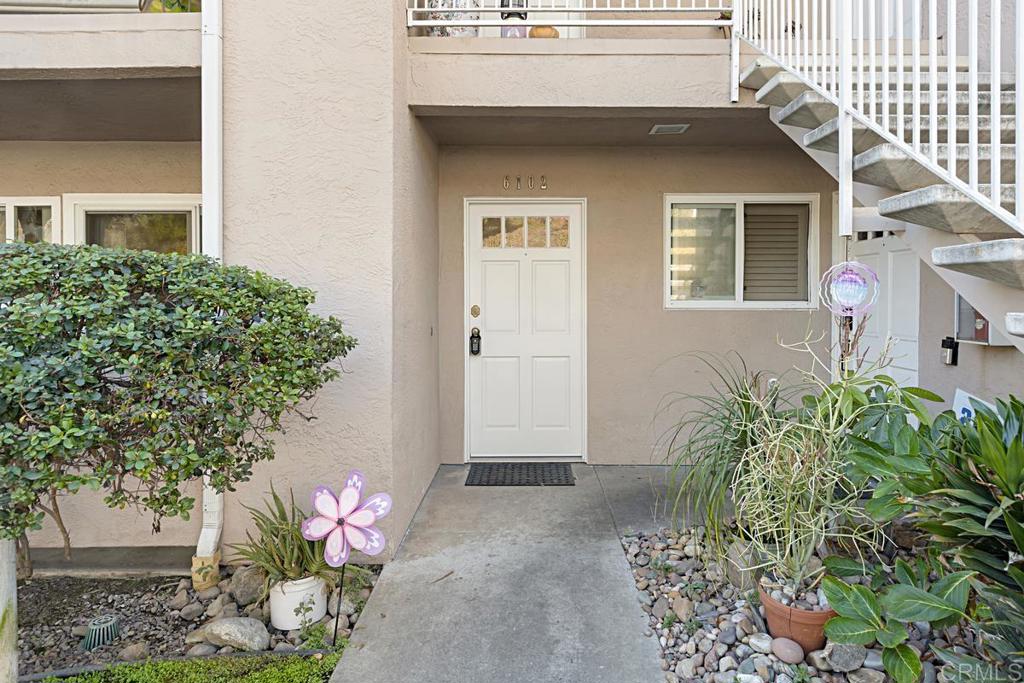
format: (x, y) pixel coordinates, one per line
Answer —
(345, 523)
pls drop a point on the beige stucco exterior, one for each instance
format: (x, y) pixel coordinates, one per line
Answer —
(635, 348)
(987, 372)
(349, 150)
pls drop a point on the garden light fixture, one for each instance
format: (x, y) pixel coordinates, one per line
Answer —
(849, 288)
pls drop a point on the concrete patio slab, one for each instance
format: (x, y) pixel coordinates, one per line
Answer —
(512, 584)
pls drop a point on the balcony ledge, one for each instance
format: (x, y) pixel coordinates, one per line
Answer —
(69, 46)
(455, 75)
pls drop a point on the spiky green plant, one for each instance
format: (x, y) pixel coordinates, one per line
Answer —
(278, 547)
(704, 445)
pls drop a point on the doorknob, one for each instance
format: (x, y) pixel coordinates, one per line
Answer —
(474, 342)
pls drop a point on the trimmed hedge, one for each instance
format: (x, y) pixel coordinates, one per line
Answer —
(135, 372)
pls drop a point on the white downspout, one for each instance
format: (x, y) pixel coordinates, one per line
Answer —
(205, 572)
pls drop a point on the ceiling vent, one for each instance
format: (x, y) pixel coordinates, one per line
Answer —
(669, 128)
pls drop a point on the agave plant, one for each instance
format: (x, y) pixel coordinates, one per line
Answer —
(278, 547)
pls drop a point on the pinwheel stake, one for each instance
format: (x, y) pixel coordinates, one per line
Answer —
(347, 525)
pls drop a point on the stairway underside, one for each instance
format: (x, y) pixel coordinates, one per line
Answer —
(974, 249)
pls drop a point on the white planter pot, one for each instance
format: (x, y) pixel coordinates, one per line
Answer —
(286, 598)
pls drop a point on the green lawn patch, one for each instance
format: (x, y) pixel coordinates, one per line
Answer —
(269, 669)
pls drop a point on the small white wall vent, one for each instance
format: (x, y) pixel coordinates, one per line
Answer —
(669, 128)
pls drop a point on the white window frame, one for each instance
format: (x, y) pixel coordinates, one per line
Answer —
(76, 206)
(7, 205)
(813, 200)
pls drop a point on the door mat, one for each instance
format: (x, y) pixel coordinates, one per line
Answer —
(520, 474)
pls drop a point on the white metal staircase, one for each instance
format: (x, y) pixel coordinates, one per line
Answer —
(867, 89)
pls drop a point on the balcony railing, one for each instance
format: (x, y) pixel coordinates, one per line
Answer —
(571, 18)
(936, 78)
(96, 6)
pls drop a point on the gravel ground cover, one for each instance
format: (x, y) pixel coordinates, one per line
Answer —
(710, 632)
(163, 617)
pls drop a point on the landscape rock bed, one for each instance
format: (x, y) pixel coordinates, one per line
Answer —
(161, 617)
(710, 631)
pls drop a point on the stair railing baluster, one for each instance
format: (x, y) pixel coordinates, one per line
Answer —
(952, 110)
(933, 80)
(996, 93)
(972, 93)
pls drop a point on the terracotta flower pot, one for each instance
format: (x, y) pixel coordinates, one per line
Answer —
(804, 626)
(543, 32)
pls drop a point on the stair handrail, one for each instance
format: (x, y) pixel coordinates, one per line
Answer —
(855, 54)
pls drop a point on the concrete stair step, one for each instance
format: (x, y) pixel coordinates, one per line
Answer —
(1015, 324)
(889, 166)
(944, 207)
(811, 109)
(758, 72)
(826, 136)
(1000, 261)
(783, 87)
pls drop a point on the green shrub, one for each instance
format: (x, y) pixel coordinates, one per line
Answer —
(136, 372)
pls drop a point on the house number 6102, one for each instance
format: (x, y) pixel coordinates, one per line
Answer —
(531, 183)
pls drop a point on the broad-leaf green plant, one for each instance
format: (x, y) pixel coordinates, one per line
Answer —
(864, 618)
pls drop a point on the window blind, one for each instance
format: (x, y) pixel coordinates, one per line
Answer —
(775, 252)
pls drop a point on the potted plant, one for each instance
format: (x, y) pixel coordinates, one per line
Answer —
(299, 580)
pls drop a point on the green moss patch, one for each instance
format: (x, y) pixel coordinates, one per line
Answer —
(267, 669)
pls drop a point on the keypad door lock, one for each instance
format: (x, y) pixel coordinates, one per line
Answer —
(474, 342)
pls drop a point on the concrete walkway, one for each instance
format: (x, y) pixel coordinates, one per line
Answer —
(525, 584)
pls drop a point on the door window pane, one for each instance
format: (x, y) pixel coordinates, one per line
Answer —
(3, 223)
(514, 231)
(492, 232)
(702, 262)
(537, 231)
(33, 224)
(154, 231)
(559, 231)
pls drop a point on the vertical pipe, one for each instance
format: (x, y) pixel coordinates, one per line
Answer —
(951, 73)
(845, 120)
(211, 114)
(996, 90)
(212, 153)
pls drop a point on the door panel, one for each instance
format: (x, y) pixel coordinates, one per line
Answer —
(525, 396)
(898, 309)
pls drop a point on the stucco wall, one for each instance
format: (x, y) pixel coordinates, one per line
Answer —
(55, 168)
(988, 372)
(416, 447)
(634, 345)
(308, 106)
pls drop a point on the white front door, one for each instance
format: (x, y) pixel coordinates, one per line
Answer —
(899, 300)
(525, 386)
